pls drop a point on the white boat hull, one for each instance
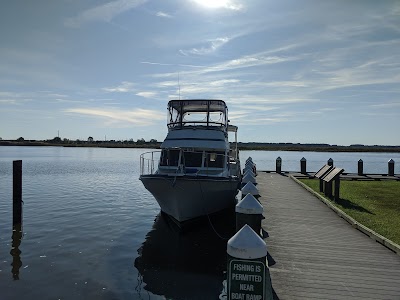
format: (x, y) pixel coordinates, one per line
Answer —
(189, 197)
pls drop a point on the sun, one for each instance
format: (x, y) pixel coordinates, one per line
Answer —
(213, 3)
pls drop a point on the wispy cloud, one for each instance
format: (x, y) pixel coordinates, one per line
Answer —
(105, 12)
(8, 101)
(138, 116)
(227, 4)
(251, 100)
(163, 15)
(224, 82)
(213, 87)
(61, 100)
(124, 87)
(386, 105)
(246, 61)
(147, 94)
(166, 64)
(212, 46)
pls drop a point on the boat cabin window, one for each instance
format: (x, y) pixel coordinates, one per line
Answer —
(215, 160)
(169, 157)
(192, 159)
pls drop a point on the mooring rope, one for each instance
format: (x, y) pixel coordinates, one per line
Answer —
(209, 219)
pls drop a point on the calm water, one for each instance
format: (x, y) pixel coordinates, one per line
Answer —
(374, 163)
(91, 231)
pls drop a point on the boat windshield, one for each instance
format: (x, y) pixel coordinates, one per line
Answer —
(192, 159)
(209, 113)
(169, 157)
(215, 160)
(175, 157)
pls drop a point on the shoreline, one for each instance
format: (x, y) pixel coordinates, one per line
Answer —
(241, 146)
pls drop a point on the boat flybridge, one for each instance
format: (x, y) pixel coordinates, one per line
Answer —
(196, 172)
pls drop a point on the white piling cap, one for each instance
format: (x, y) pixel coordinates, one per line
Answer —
(248, 167)
(248, 178)
(248, 171)
(246, 244)
(250, 188)
(391, 161)
(250, 163)
(249, 206)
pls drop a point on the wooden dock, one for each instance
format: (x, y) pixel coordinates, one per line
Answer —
(318, 254)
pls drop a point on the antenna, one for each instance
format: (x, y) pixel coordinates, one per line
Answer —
(179, 85)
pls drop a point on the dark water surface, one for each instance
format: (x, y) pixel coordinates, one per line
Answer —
(91, 230)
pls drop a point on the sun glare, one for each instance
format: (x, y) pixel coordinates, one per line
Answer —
(213, 3)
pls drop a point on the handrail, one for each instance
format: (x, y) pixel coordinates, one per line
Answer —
(189, 123)
(149, 164)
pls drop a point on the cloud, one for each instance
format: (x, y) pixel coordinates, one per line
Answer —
(386, 105)
(246, 61)
(166, 84)
(206, 86)
(212, 46)
(166, 64)
(224, 82)
(8, 101)
(163, 15)
(228, 4)
(140, 117)
(124, 87)
(147, 94)
(105, 12)
(251, 100)
(258, 108)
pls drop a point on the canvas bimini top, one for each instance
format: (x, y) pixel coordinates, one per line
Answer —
(212, 114)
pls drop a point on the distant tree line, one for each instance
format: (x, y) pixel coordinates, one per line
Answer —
(89, 142)
(153, 143)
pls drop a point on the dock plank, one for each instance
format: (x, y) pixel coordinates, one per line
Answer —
(318, 254)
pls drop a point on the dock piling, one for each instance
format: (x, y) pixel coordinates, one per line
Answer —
(17, 193)
(360, 167)
(249, 211)
(330, 162)
(278, 165)
(248, 275)
(391, 167)
(303, 166)
(249, 187)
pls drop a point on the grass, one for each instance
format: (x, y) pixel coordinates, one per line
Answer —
(375, 204)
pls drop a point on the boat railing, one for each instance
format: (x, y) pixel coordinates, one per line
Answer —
(207, 124)
(149, 162)
(212, 164)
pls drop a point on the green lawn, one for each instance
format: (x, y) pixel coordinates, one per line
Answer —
(375, 204)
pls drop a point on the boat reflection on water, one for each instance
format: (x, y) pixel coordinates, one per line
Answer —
(185, 265)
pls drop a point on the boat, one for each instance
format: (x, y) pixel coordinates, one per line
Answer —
(197, 171)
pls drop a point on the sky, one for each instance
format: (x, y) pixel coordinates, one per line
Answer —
(290, 71)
